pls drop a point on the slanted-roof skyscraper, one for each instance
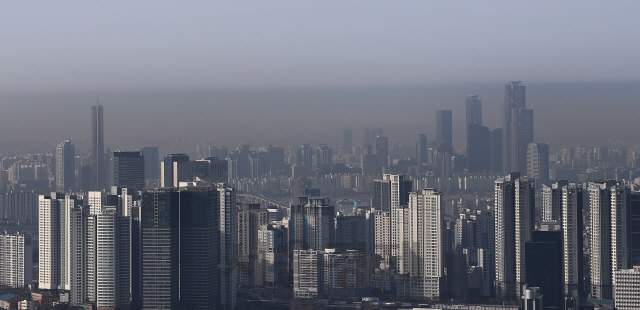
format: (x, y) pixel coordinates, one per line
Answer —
(518, 128)
(98, 173)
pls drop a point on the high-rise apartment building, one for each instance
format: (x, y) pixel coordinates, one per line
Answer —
(128, 170)
(16, 265)
(538, 162)
(65, 167)
(324, 156)
(250, 219)
(98, 164)
(552, 203)
(517, 129)
(108, 259)
(312, 224)
(390, 194)
(610, 237)
(426, 264)
(572, 227)
(627, 287)
(514, 221)
(444, 131)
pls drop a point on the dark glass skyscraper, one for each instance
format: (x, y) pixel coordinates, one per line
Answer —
(98, 173)
(151, 163)
(128, 170)
(518, 128)
(444, 131)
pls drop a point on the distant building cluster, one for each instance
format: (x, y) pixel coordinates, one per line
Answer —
(504, 223)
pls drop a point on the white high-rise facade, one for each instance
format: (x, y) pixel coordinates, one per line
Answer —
(626, 290)
(609, 206)
(514, 221)
(572, 238)
(425, 230)
(16, 265)
(49, 242)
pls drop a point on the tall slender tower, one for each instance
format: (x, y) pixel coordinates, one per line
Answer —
(518, 128)
(444, 131)
(514, 222)
(98, 173)
(474, 110)
(65, 166)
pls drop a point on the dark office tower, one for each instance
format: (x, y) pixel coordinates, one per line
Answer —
(160, 249)
(85, 178)
(496, 150)
(610, 234)
(352, 233)
(444, 131)
(382, 152)
(422, 150)
(367, 137)
(305, 156)
(151, 163)
(98, 169)
(518, 128)
(324, 156)
(128, 170)
(543, 261)
(478, 148)
(65, 167)
(474, 110)
(635, 228)
(347, 148)
(168, 168)
(514, 222)
(538, 162)
(136, 258)
(208, 237)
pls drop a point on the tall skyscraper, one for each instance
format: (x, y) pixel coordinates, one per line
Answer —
(552, 201)
(128, 170)
(160, 249)
(427, 256)
(444, 131)
(474, 110)
(538, 162)
(572, 227)
(518, 128)
(324, 156)
(208, 244)
(382, 153)
(478, 137)
(167, 169)
(514, 222)
(422, 150)
(610, 235)
(151, 163)
(347, 147)
(98, 169)
(65, 167)
(250, 219)
(478, 148)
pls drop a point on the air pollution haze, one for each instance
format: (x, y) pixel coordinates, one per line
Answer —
(566, 113)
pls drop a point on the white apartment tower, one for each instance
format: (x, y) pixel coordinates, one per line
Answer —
(609, 206)
(627, 287)
(514, 220)
(572, 238)
(427, 261)
(16, 265)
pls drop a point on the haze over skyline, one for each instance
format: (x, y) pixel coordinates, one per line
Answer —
(177, 74)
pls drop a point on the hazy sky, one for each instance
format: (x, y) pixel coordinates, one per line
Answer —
(174, 74)
(116, 45)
